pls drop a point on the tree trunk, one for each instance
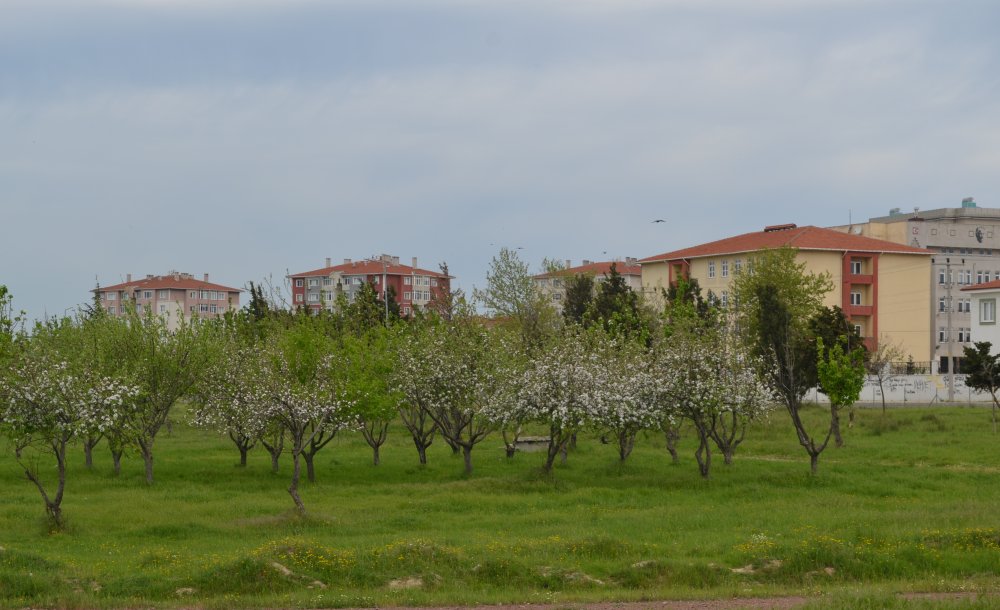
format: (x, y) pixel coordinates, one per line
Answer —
(467, 454)
(454, 447)
(53, 505)
(626, 442)
(673, 435)
(88, 452)
(882, 392)
(293, 489)
(813, 462)
(375, 455)
(421, 453)
(275, 451)
(147, 458)
(116, 457)
(703, 455)
(835, 425)
(310, 467)
(243, 456)
(727, 455)
(554, 450)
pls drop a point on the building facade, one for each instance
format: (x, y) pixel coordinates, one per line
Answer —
(173, 296)
(983, 323)
(966, 244)
(882, 287)
(415, 288)
(553, 283)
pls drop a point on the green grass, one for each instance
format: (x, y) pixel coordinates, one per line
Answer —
(910, 504)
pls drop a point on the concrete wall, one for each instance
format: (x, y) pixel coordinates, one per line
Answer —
(915, 390)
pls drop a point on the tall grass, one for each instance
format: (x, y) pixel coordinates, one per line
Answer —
(909, 504)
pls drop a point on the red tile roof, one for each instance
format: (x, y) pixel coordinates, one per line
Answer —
(995, 284)
(164, 282)
(802, 238)
(602, 268)
(368, 268)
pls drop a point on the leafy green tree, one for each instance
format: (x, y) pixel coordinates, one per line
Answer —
(511, 294)
(165, 365)
(775, 298)
(616, 308)
(395, 313)
(841, 377)
(983, 372)
(366, 361)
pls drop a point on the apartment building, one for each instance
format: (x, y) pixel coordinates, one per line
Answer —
(553, 283)
(965, 241)
(415, 288)
(883, 287)
(174, 296)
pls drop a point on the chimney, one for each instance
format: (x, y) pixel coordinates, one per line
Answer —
(414, 261)
(586, 262)
(128, 277)
(569, 263)
(395, 260)
(206, 277)
(631, 260)
(347, 261)
(149, 276)
(327, 262)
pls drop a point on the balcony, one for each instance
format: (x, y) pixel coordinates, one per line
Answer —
(858, 310)
(860, 278)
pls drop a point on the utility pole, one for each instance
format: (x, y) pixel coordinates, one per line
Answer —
(947, 336)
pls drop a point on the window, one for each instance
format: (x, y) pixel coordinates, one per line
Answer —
(711, 269)
(962, 335)
(968, 276)
(406, 296)
(941, 276)
(163, 308)
(298, 298)
(205, 295)
(407, 280)
(138, 309)
(988, 311)
(856, 267)
(111, 309)
(147, 294)
(313, 282)
(111, 296)
(193, 294)
(725, 299)
(979, 277)
(556, 296)
(855, 297)
(996, 275)
(737, 266)
(406, 311)
(941, 334)
(725, 268)
(203, 308)
(434, 282)
(327, 281)
(857, 329)
(298, 283)
(358, 281)
(375, 279)
(313, 297)
(213, 308)
(163, 294)
(942, 304)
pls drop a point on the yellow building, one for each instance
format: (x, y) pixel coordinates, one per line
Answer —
(883, 287)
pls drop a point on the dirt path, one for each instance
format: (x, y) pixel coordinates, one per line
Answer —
(762, 603)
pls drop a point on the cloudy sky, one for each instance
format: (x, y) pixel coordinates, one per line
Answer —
(248, 138)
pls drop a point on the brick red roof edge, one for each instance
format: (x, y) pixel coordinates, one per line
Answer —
(369, 268)
(601, 268)
(167, 281)
(984, 286)
(802, 238)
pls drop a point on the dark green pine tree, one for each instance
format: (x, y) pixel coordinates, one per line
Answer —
(367, 310)
(616, 308)
(579, 296)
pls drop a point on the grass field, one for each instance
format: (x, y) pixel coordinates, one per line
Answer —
(910, 504)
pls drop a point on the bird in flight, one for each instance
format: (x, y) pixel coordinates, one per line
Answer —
(659, 220)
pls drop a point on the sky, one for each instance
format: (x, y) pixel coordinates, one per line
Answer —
(252, 138)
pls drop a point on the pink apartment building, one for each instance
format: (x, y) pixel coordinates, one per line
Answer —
(173, 296)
